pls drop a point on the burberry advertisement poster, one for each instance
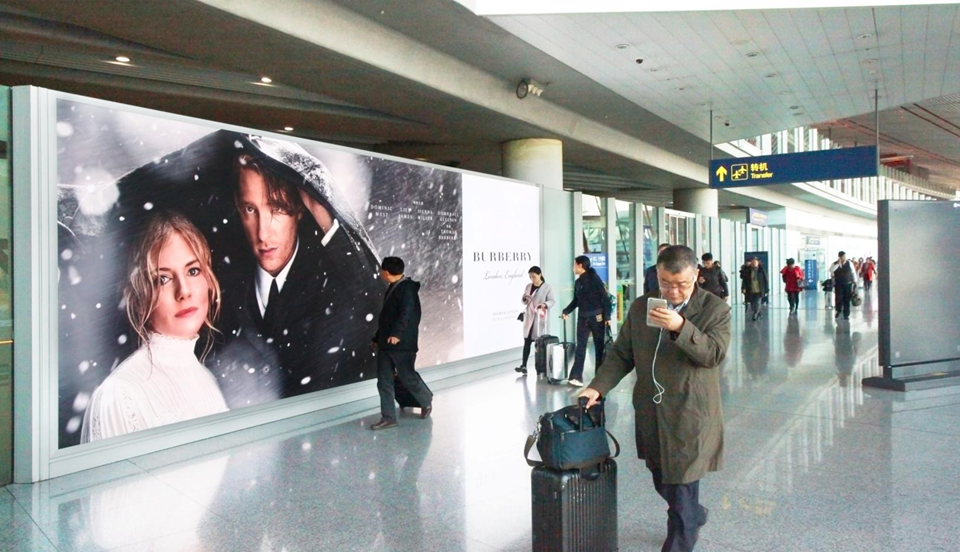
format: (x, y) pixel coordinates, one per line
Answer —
(203, 269)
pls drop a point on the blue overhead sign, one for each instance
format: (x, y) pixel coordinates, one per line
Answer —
(834, 164)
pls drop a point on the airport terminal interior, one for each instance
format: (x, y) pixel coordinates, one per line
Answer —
(208, 343)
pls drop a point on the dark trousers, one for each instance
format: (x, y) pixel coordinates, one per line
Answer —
(401, 363)
(526, 351)
(794, 298)
(587, 325)
(685, 515)
(844, 292)
(867, 284)
(753, 299)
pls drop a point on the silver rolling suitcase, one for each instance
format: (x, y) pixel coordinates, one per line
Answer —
(560, 358)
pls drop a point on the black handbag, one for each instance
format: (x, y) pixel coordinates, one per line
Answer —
(607, 342)
(571, 438)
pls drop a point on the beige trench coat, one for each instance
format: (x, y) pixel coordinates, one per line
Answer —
(683, 435)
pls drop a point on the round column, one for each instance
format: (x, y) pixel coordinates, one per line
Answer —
(699, 201)
(536, 160)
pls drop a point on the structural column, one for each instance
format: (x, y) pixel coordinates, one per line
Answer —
(699, 201)
(535, 160)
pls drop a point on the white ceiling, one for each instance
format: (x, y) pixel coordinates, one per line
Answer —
(814, 58)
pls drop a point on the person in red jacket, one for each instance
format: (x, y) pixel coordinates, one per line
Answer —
(794, 280)
(868, 271)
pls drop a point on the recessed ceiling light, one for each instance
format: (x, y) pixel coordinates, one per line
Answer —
(865, 36)
(794, 107)
(122, 59)
(266, 80)
(770, 75)
(798, 113)
(752, 54)
(288, 128)
(740, 42)
(870, 61)
(681, 88)
(654, 70)
(622, 46)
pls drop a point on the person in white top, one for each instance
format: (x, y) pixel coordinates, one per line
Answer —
(171, 296)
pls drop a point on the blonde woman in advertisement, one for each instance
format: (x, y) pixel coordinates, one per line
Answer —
(171, 295)
(538, 297)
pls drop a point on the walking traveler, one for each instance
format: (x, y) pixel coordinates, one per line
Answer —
(679, 419)
(538, 298)
(754, 284)
(844, 280)
(713, 278)
(590, 296)
(396, 343)
(793, 279)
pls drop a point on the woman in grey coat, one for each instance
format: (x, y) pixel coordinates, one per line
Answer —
(538, 297)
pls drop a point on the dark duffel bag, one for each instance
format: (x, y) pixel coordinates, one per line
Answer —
(571, 438)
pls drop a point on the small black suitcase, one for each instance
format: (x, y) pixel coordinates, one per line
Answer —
(573, 511)
(402, 396)
(541, 358)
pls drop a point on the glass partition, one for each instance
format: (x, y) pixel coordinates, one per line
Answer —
(626, 257)
(594, 224)
(6, 297)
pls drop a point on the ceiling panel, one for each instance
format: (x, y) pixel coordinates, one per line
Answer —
(826, 61)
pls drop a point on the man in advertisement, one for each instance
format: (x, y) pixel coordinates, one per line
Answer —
(590, 296)
(676, 351)
(303, 308)
(397, 343)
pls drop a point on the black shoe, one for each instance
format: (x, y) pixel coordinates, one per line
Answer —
(521, 369)
(837, 315)
(756, 315)
(425, 411)
(383, 424)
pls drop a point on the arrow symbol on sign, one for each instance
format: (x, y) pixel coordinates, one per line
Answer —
(721, 172)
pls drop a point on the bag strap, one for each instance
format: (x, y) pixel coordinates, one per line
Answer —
(532, 440)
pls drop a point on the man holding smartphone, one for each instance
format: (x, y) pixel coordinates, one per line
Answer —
(676, 337)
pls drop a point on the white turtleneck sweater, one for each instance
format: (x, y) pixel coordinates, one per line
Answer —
(161, 383)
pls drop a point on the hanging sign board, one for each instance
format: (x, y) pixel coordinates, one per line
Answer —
(788, 168)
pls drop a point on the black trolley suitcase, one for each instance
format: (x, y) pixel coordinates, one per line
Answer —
(402, 396)
(575, 510)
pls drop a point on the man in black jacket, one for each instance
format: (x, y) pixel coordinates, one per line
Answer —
(754, 284)
(398, 332)
(712, 278)
(590, 296)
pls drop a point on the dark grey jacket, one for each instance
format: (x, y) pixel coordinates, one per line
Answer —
(400, 317)
(683, 435)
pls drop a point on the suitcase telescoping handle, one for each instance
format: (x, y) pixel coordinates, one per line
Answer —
(582, 403)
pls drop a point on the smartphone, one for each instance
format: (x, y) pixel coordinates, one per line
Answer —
(654, 303)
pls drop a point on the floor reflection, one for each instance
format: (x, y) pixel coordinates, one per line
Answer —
(813, 462)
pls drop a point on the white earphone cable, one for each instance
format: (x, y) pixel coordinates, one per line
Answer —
(658, 398)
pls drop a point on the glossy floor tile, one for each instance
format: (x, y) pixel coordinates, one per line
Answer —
(813, 462)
